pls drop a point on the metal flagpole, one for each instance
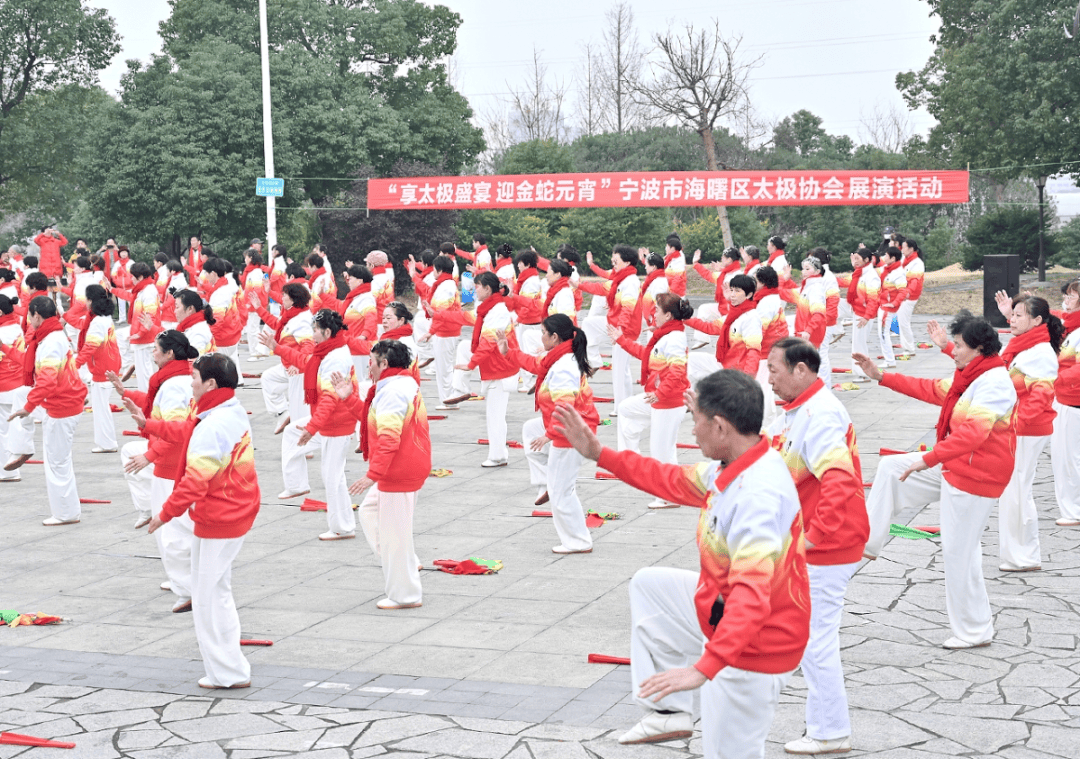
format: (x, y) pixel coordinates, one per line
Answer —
(268, 132)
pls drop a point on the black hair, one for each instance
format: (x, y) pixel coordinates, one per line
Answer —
(816, 263)
(734, 396)
(217, 367)
(656, 261)
(730, 254)
(560, 267)
(7, 275)
(797, 351)
(894, 253)
(443, 265)
(329, 319)
(674, 241)
(315, 261)
(401, 311)
(976, 332)
(140, 270)
(215, 266)
(753, 251)
(99, 300)
(778, 242)
(42, 306)
(1072, 286)
(768, 277)
(177, 342)
(191, 299)
(569, 254)
(448, 248)
(528, 257)
(479, 237)
(174, 266)
(298, 294)
(1038, 307)
(504, 251)
(31, 262)
(254, 256)
(866, 254)
(911, 243)
(678, 308)
(7, 305)
(745, 283)
(356, 271)
(626, 253)
(83, 262)
(427, 256)
(37, 281)
(279, 250)
(821, 255)
(491, 281)
(161, 258)
(295, 271)
(396, 353)
(229, 268)
(564, 328)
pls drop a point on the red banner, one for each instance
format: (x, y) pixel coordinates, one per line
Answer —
(671, 188)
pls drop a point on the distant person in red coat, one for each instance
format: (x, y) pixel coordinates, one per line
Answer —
(50, 263)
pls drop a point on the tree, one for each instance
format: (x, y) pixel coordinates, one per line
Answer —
(1009, 231)
(621, 61)
(536, 109)
(700, 81)
(590, 100)
(1004, 85)
(46, 44)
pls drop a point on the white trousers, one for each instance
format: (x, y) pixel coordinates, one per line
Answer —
(275, 389)
(122, 309)
(859, 344)
(700, 365)
(825, 369)
(827, 715)
(217, 625)
(387, 522)
(362, 367)
(123, 344)
(233, 352)
(737, 706)
(963, 519)
(1065, 458)
(769, 409)
(622, 384)
(636, 415)
(556, 470)
(596, 334)
(339, 513)
(496, 399)
(294, 469)
(252, 330)
(885, 321)
(709, 312)
(140, 482)
(104, 429)
(421, 325)
(1018, 516)
(142, 354)
(462, 382)
(174, 539)
(528, 337)
(15, 437)
(907, 338)
(444, 349)
(58, 439)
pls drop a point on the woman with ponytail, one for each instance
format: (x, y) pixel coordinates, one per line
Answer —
(1065, 441)
(169, 399)
(99, 352)
(497, 373)
(17, 436)
(195, 319)
(661, 407)
(175, 281)
(562, 378)
(1032, 358)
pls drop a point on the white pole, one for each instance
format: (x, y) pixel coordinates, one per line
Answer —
(268, 132)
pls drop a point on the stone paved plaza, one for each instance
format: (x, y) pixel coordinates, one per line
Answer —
(493, 666)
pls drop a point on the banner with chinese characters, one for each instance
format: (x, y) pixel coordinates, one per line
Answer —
(671, 188)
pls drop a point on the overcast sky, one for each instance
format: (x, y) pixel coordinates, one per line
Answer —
(836, 58)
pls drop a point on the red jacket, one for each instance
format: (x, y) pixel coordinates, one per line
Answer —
(399, 444)
(667, 367)
(327, 418)
(1067, 385)
(100, 352)
(13, 348)
(50, 262)
(563, 385)
(57, 386)
(492, 364)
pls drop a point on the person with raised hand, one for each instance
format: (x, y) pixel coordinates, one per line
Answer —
(99, 353)
(1065, 440)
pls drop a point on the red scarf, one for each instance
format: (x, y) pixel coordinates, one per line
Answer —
(639, 307)
(176, 368)
(363, 288)
(547, 362)
(311, 371)
(141, 285)
(50, 325)
(397, 332)
(774, 255)
(222, 281)
(733, 266)
(317, 273)
(1071, 321)
(482, 311)
(209, 400)
(424, 272)
(191, 321)
(1018, 343)
(669, 258)
(905, 262)
(616, 279)
(443, 277)
(387, 373)
(853, 286)
(251, 268)
(672, 325)
(750, 265)
(284, 319)
(560, 284)
(525, 274)
(723, 342)
(84, 329)
(802, 285)
(760, 295)
(376, 269)
(6, 319)
(888, 270)
(962, 379)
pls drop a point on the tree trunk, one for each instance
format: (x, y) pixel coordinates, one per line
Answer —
(721, 211)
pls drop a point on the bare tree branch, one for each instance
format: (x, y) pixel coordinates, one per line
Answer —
(887, 129)
(536, 110)
(621, 63)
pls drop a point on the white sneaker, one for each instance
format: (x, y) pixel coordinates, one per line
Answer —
(444, 407)
(1066, 522)
(492, 463)
(166, 585)
(813, 746)
(255, 358)
(331, 535)
(141, 521)
(54, 522)
(285, 495)
(659, 727)
(102, 450)
(887, 366)
(954, 644)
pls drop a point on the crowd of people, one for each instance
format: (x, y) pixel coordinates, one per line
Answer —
(784, 520)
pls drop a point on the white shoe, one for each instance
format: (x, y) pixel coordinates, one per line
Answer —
(285, 495)
(166, 585)
(954, 644)
(660, 503)
(386, 603)
(813, 746)
(102, 450)
(54, 522)
(492, 463)
(1013, 568)
(331, 535)
(141, 521)
(255, 358)
(1063, 522)
(444, 407)
(887, 366)
(430, 372)
(659, 727)
(563, 550)
(181, 606)
(858, 378)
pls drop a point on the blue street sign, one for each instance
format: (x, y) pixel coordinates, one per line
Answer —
(269, 188)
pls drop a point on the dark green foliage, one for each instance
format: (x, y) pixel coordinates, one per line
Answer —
(1009, 231)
